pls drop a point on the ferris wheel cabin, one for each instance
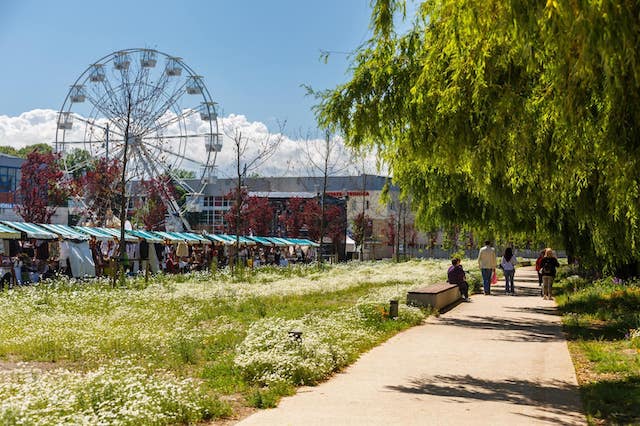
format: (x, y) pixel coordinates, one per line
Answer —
(213, 142)
(210, 174)
(173, 69)
(149, 58)
(97, 73)
(76, 94)
(121, 61)
(65, 121)
(208, 111)
(194, 85)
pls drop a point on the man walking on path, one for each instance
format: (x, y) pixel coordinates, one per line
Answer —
(487, 264)
(497, 361)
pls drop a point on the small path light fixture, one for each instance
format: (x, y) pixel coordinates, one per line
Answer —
(295, 335)
(393, 309)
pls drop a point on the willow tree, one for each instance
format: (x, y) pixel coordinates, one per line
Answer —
(506, 117)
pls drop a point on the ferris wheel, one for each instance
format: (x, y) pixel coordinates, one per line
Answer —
(152, 107)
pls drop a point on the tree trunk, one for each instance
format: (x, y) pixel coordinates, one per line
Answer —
(119, 274)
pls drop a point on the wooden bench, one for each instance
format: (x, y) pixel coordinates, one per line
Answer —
(437, 296)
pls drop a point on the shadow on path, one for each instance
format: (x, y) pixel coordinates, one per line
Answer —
(549, 310)
(520, 329)
(555, 397)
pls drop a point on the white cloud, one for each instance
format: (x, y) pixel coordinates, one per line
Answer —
(291, 159)
(31, 127)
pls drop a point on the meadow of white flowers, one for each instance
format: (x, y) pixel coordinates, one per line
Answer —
(119, 393)
(87, 353)
(270, 355)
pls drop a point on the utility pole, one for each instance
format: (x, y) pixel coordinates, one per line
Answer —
(106, 143)
(364, 209)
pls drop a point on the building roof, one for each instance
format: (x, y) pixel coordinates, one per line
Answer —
(300, 184)
(10, 156)
(281, 194)
(7, 160)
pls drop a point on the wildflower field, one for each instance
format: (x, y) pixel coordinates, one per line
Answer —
(192, 348)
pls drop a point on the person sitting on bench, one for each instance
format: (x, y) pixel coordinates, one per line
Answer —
(456, 275)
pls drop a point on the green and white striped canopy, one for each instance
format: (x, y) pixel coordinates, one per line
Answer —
(7, 233)
(65, 231)
(32, 230)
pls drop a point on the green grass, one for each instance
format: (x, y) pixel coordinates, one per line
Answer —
(191, 340)
(602, 320)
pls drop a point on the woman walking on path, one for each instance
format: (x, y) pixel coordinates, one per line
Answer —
(548, 266)
(508, 265)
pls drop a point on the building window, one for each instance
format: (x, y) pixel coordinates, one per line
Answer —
(213, 218)
(206, 217)
(8, 179)
(208, 201)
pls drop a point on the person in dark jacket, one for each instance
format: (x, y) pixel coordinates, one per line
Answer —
(548, 268)
(538, 260)
(456, 275)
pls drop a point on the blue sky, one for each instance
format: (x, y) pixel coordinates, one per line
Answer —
(254, 55)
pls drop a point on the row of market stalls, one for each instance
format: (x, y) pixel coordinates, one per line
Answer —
(72, 244)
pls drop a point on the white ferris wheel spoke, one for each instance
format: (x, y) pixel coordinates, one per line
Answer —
(173, 153)
(99, 126)
(166, 106)
(102, 106)
(176, 119)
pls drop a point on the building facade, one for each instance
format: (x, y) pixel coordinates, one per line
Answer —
(359, 194)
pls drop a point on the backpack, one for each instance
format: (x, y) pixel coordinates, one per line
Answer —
(546, 268)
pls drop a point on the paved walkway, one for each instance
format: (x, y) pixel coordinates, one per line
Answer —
(498, 360)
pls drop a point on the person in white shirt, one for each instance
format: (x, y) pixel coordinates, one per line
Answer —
(487, 264)
(508, 265)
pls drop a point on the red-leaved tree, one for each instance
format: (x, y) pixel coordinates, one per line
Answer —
(312, 213)
(42, 188)
(293, 217)
(259, 215)
(389, 231)
(233, 219)
(256, 215)
(101, 187)
(335, 225)
(153, 212)
(335, 222)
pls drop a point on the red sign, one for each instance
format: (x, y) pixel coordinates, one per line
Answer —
(348, 193)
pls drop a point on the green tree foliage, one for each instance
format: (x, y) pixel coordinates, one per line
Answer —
(9, 150)
(183, 174)
(78, 162)
(42, 148)
(506, 117)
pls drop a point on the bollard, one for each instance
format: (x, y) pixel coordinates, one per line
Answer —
(393, 309)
